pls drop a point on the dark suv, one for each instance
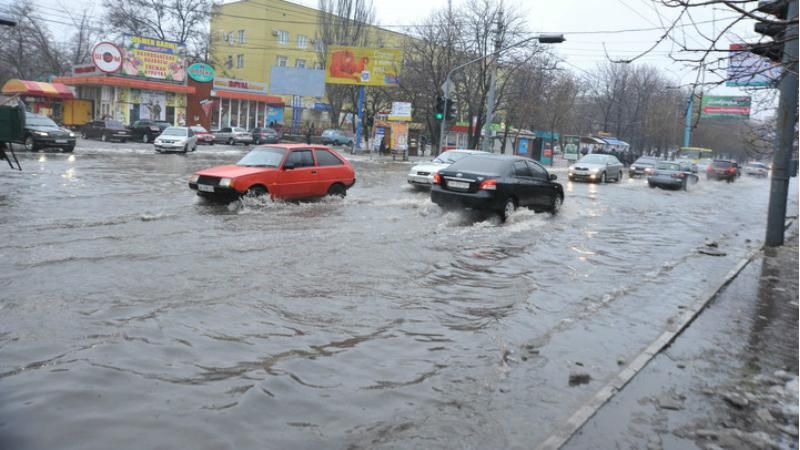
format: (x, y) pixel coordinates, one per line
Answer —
(722, 170)
(41, 132)
(106, 130)
(147, 130)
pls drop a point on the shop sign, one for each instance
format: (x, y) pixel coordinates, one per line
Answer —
(107, 57)
(153, 58)
(322, 106)
(401, 111)
(84, 70)
(201, 72)
(229, 84)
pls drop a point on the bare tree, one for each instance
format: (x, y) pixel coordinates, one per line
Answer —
(180, 21)
(28, 51)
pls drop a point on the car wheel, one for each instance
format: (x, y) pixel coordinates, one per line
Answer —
(83, 135)
(652, 186)
(603, 178)
(337, 190)
(349, 143)
(194, 147)
(231, 142)
(685, 185)
(145, 138)
(257, 191)
(186, 148)
(509, 208)
(557, 202)
(69, 149)
(30, 145)
(103, 137)
(620, 175)
(211, 143)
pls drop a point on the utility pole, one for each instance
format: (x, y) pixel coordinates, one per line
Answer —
(487, 127)
(687, 130)
(787, 110)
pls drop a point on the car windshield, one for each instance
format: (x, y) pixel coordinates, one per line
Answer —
(163, 124)
(757, 165)
(594, 159)
(327, 133)
(668, 166)
(198, 129)
(722, 164)
(645, 161)
(450, 157)
(39, 121)
(481, 164)
(114, 124)
(175, 131)
(263, 157)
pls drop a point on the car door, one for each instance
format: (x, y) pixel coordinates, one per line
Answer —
(524, 188)
(299, 175)
(91, 129)
(330, 170)
(544, 190)
(616, 167)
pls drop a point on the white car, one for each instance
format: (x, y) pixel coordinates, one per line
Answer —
(176, 139)
(756, 169)
(421, 175)
(596, 167)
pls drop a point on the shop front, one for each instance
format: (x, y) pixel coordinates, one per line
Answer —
(225, 102)
(46, 99)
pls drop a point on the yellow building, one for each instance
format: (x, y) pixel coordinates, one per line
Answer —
(250, 36)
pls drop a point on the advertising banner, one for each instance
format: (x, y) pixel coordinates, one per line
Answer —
(230, 84)
(571, 146)
(275, 114)
(747, 69)
(364, 66)
(201, 72)
(153, 105)
(401, 111)
(295, 81)
(151, 58)
(725, 107)
(399, 138)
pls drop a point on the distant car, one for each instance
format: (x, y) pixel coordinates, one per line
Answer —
(203, 136)
(336, 137)
(500, 183)
(722, 170)
(756, 169)
(281, 171)
(688, 163)
(702, 165)
(146, 130)
(265, 136)
(644, 166)
(176, 139)
(42, 132)
(421, 175)
(233, 136)
(106, 130)
(596, 167)
(672, 175)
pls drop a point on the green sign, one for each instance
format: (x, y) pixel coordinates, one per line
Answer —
(725, 107)
(571, 146)
(201, 72)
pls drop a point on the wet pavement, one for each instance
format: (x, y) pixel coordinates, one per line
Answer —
(134, 315)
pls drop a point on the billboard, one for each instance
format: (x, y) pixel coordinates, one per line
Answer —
(725, 107)
(571, 145)
(296, 81)
(401, 111)
(747, 69)
(152, 58)
(364, 66)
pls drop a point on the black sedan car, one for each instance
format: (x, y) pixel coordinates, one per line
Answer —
(497, 183)
(41, 132)
(265, 136)
(147, 130)
(106, 130)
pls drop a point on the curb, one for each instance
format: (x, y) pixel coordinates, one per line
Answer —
(566, 430)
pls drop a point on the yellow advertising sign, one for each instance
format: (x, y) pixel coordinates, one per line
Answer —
(152, 58)
(364, 66)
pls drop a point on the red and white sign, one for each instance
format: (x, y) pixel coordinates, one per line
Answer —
(107, 57)
(229, 84)
(85, 70)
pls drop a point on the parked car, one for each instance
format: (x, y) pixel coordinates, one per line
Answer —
(41, 132)
(596, 167)
(203, 136)
(336, 137)
(181, 139)
(672, 175)
(722, 170)
(106, 130)
(421, 175)
(233, 136)
(756, 169)
(293, 171)
(147, 130)
(644, 166)
(500, 183)
(265, 136)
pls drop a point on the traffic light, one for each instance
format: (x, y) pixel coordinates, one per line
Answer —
(450, 109)
(772, 50)
(439, 115)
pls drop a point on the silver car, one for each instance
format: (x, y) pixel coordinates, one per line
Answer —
(672, 175)
(176, 139)
(596, 167)
(233, 136)
(421, 175)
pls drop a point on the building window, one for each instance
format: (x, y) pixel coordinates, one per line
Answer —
(282, 61)
(240, 61)
(302, 41)
(318, 65)
(228, 37)
(283, 36)
(229, 62)
(319, 45)
(241, 36)
(300, 63)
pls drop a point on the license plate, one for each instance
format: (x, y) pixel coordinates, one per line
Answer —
(61, 141)
(205, 188)
(457, 185)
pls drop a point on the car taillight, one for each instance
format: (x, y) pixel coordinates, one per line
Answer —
(489, 185)
(154, 129)
(731, 170)
(678, 175)
(437, 179)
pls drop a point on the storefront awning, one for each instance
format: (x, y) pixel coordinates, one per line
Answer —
(126, 82)
(268, 99)
(36, 89)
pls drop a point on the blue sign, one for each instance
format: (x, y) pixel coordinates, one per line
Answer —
(523, 146)
(322, 107)
(274, 114)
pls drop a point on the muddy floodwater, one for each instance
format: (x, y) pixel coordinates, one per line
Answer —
(134, 315)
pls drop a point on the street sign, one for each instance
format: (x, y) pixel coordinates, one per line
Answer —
(448, 87)
(725, 107)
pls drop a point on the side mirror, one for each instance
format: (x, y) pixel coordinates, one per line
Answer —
(288, 166)
(553, 177)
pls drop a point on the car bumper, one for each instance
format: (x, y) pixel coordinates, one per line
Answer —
(639, 172)
(241, 140)
(484, 200)
(60, 142)
(420, 180)
(721, 176)
(666, 182)
(215, 192)
(178, 146)
(583, 176)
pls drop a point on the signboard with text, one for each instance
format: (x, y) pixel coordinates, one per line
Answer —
(230, 84)
(746, 69)
(153, 58)
(725, 107)
(364, 66)
(401, 111)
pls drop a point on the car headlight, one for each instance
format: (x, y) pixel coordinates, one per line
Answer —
(40, 133)
(194, 178)
(226, 182)
(595, 170)
(71, 134)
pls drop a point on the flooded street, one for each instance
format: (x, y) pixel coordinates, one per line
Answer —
(135, 315)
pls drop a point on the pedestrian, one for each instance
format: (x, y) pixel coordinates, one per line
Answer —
(309, 131)
(423, 142)
(382, 147)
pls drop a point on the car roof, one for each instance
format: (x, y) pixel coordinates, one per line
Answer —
(294, 146)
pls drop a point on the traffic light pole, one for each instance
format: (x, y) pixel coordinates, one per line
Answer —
(787, 117)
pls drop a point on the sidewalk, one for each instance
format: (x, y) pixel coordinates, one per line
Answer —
(729, 381)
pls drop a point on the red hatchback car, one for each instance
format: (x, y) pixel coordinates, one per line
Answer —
(203, 136)
(293, 171)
